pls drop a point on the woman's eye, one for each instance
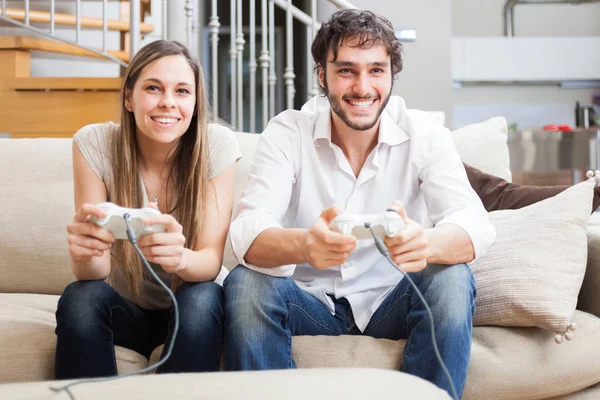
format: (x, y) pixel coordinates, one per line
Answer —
(152, 88)
(184, 91)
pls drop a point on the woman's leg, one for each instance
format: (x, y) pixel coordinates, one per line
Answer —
(90, 319)
(199, 339)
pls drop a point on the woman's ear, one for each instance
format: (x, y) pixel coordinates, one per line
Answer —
(128, 105)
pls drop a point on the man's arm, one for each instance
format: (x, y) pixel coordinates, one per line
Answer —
(317, 246)
(498, 194)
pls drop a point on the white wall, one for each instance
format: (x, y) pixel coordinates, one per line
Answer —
(529, 106)
(425, 82)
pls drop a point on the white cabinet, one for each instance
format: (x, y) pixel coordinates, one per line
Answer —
(525, 59)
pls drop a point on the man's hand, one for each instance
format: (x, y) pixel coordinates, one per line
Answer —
(409, 248)
(323, 248)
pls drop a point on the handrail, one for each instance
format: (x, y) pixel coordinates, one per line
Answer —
(63, 46)
(267, 56)
(71, 20)
(23, 19)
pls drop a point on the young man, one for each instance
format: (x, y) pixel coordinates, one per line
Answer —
(357, 150)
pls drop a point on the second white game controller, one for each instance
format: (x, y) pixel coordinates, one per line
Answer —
(115, 221)
(387, 223)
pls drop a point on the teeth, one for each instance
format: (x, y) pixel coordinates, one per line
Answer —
(361, 104)
(165, 120)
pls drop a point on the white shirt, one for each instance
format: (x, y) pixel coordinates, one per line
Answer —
(298, 172)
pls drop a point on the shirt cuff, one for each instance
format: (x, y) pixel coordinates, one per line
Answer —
(242, 233)
(478, 227)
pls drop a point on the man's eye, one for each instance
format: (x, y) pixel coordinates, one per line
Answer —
(345, 71)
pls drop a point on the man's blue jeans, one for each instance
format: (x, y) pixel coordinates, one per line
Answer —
(262, 313)
(92, 318)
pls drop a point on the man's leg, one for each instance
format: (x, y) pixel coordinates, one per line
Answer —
(263, 312)
(450, 293)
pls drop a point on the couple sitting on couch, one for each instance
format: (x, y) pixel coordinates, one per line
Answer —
(358, 146)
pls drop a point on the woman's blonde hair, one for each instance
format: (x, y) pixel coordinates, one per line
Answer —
(188, 163)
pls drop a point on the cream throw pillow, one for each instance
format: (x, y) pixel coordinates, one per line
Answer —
(484, 146)
(532, 274)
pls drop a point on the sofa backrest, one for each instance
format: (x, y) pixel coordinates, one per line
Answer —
(36, 194)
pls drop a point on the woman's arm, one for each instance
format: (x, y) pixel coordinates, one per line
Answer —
(205, 263)
(89, 245)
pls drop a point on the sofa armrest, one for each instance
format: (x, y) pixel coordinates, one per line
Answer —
(589, 296)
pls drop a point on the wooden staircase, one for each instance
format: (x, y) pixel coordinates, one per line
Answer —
(55, 107)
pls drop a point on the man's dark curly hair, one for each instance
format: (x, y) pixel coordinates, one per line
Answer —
(370, 29)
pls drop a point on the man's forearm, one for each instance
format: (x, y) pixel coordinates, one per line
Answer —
(449, 244)
(275, 247)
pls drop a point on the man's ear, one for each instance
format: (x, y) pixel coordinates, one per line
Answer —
(321, 76)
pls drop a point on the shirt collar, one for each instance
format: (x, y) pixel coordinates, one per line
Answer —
(392, 129)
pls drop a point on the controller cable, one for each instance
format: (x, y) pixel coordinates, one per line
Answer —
(133, 240)
(384, 251)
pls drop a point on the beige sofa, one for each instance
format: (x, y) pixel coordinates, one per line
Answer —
(36, 195)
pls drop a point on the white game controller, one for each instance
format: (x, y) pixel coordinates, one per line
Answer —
(115, 223)
(388, 224)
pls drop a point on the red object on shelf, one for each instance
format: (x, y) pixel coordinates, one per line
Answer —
(562, 128)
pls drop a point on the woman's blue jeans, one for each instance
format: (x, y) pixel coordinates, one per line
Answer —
(262, 313)
(92, 318)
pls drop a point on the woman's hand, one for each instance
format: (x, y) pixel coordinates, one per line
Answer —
(167, 248)
(86, 239)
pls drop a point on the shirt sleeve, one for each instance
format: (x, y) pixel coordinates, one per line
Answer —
(223, 149)
(265, 200)
(449, 197)
(92, 141)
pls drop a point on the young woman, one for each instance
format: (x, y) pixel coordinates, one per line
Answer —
(163, 154)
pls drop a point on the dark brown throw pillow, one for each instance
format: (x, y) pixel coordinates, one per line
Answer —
(497, 194)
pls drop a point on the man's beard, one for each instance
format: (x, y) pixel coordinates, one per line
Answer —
(336, 107)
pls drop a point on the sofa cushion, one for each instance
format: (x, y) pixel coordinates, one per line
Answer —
(589, 296)
(513, 363)
(499, 355)
(28, 341)
(36, 193)
(532, 273)
(339, 383)
(484, 146)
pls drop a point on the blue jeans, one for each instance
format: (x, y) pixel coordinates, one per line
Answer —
(262, 313)
(92, 318)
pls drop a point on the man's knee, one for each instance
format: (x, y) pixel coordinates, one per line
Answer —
(251, 296)
(450, 290)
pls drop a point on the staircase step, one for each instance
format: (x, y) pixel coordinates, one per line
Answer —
(38, 83)
(31, 43)
(55, 113)
(71, 20)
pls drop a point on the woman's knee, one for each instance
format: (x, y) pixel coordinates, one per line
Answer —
(81, 304)
(201, 305)
(80, 296)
